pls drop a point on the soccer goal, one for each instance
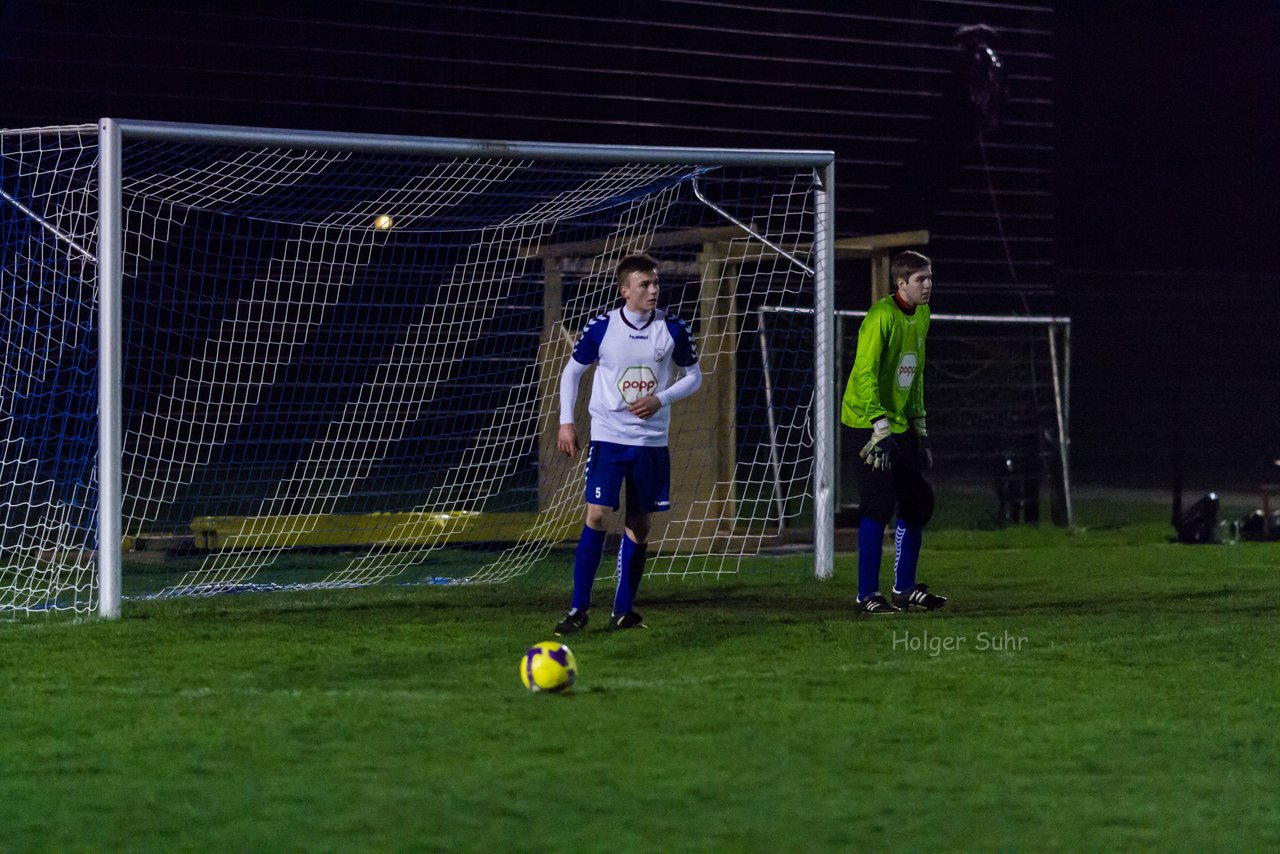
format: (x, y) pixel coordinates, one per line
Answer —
(997, 389)
(228, 351)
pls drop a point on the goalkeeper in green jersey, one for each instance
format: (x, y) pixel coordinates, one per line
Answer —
(884, 404)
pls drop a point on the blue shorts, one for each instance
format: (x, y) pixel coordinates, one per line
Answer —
(647, 472)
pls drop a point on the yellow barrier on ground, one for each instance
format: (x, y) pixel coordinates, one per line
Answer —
(400, 530)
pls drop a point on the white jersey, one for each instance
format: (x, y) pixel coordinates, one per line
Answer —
(633, 360)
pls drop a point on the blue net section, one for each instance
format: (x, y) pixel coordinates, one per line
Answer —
(48, 390)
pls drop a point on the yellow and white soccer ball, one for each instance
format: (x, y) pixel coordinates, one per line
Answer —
(548, 666)
(384, 222)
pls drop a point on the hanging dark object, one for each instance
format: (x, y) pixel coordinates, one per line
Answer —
(985, 77)
(973, 99)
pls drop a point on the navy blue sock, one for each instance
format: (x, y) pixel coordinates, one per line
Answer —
(870, 549)
(630, 567)
(585, 563)
(907, 540)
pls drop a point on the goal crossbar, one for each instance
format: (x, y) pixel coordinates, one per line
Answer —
(451, 147)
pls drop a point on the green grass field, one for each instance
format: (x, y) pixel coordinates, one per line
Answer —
(1102, 689)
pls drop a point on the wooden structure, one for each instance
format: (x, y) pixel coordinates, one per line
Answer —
(880, 249)
(704, 512)
(703, 438)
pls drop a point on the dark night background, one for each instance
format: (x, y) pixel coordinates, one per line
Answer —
(1135, 169)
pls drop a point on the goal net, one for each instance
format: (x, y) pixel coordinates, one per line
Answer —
(350, 347)
(997, 390)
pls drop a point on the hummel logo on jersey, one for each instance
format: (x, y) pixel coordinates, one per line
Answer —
(639, 337)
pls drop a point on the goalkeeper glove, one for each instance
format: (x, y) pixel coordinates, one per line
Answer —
(878, 453)
(922, 434)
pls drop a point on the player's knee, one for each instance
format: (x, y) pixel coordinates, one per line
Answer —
(638, 528)
(597, 517)
(917, 508)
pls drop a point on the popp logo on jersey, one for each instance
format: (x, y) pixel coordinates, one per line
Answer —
(906, 370)
(636, 382)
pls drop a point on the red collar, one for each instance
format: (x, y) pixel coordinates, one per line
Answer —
(906, 309)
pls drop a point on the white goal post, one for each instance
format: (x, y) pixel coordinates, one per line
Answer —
(248, 344)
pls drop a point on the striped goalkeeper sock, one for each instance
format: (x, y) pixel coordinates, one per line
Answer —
(585, 563)
(907, 540)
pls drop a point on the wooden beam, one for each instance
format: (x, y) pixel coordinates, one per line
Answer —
(867, 245)
(879, 248)
(685, 237)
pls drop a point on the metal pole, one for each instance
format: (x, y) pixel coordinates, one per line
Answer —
(1059, 410)
(1066, 378)
(388, 144)
(748, 229)
(824, 516)
(773, 424)
(110, 268)
(1066, 414)
(1010, 319)
(836, 488)
(47, 226)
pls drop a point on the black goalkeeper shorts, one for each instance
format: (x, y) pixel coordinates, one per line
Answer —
(903, 488)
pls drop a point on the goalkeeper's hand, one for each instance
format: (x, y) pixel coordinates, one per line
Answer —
(922, 434)
(878, 453)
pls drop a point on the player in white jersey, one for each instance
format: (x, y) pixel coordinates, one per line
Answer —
(637, 349)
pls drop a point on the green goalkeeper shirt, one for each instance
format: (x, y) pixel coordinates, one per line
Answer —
(887, 380)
